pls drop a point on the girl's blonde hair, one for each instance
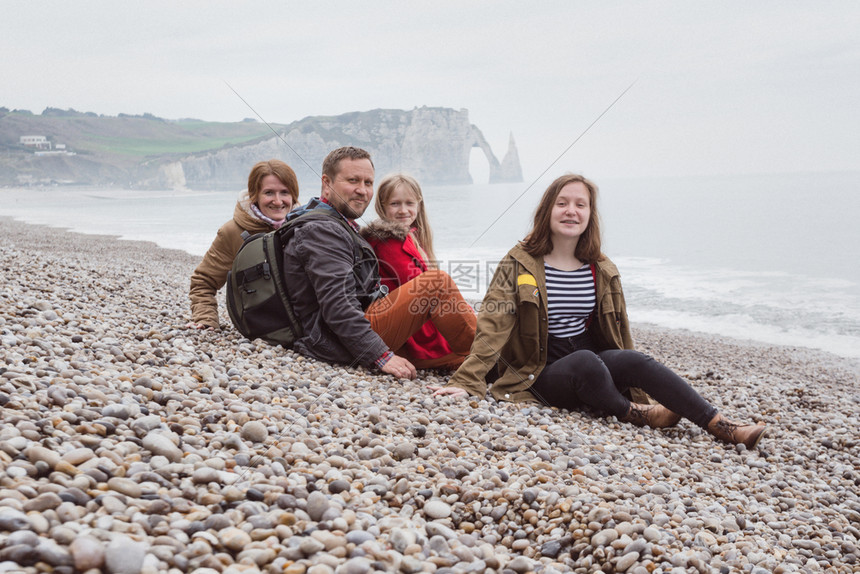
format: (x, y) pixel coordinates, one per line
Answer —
(423, 232)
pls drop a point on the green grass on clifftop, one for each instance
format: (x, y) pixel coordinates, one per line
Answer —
(128, 136)
(148, 147)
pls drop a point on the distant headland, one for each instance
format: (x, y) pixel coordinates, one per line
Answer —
(67, 147)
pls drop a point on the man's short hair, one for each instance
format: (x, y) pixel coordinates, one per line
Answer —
(331, 164)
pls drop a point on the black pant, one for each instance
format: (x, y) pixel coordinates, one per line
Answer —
(578, 375)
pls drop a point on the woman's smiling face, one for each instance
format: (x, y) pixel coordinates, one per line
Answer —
(274, 200)
(571, 212)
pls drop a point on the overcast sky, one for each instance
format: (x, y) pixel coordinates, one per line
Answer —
(720, 87)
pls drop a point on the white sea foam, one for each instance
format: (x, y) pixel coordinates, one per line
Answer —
(744, 327)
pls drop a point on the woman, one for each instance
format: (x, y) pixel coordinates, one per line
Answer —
(273, 191)
(554, 322)
(403, 242)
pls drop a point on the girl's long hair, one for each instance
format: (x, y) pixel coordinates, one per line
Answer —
(423, 233)
(539, 240)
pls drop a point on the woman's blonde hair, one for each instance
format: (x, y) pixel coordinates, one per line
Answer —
(423, 232)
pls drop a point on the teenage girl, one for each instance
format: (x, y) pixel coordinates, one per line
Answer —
(554, 323)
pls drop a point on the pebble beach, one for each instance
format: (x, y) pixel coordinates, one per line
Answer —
(129, 444)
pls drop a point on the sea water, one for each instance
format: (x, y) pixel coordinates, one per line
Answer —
(771, 258)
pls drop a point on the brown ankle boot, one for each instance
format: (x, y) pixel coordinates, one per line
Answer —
(736, 433)
(654, 416)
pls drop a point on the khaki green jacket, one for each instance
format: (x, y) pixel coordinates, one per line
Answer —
(211, 274)
(512, 327)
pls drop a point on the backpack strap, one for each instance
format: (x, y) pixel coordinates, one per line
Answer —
(245, 276)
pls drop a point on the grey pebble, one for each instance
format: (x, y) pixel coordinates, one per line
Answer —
(436, 509)
(125, 556)
(604, 537)
(205, 475)
(118, 411)
(521, 565)
(162, 445)
(87, 553)
(25, 537)
(42, 502)
(255, 431)
(311, 546)
(54, 554)
(359, 565)
(404, 451)
(338, 485)
(359, 537)
(317, 505)
(439, 529)
(626, 561)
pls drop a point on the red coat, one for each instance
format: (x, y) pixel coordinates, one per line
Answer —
(399, 261)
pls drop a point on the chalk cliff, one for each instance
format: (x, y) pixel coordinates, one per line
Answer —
(432, 144)
(147, 152)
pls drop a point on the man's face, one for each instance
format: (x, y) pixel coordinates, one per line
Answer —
(351, 189)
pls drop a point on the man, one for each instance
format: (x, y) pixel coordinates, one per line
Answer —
(333, 279)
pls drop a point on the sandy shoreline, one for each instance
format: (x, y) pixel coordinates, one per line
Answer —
(131, 444)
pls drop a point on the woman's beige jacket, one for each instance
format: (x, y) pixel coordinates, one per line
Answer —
(211, 274)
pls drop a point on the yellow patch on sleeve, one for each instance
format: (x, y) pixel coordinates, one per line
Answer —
(526, 279)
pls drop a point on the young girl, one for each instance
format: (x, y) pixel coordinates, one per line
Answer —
(554, 322)
(403, 242)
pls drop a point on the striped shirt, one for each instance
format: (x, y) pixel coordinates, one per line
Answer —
(570, 300)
